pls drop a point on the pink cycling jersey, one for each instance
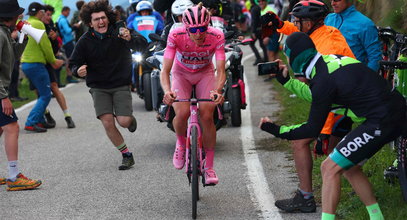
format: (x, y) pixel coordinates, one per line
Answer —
(191, 56)
(193, 63)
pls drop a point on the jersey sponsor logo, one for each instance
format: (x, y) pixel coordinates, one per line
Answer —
(196, 54)
(355, 144)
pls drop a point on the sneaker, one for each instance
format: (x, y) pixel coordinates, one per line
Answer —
(49, 119)
(2, 181)
(178, 159)
(22, 183)
(69, 122)
(127, 162)
(210, 176)
(35, 128)
(133, 125)
(297, 203)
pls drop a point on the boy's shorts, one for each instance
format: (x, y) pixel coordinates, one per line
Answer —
(116, 101)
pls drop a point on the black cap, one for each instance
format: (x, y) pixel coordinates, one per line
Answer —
(300, 49)
(34, 8)
(10, 8)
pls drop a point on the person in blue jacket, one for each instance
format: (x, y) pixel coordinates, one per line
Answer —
(130, 19)
(359, 31)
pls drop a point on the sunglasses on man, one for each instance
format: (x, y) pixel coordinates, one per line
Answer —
(202, 29)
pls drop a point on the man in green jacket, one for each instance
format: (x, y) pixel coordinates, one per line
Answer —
(35, 57)
(10, 51)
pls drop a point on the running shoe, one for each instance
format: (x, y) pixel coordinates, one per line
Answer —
(179, 157)
(35, 128)
(69, 122)
(49, 119)
(211, 178)
(297, 203)
(22, 183)
(2, 181)
(127, 162)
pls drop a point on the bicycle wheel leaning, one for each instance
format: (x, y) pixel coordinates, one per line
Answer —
(401, 144)
(194, 162)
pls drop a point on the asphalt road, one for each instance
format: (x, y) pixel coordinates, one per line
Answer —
(78, 167)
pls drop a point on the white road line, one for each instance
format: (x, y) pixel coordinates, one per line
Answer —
(258, 187)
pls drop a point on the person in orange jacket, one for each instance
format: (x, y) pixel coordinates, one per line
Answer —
(309, 18)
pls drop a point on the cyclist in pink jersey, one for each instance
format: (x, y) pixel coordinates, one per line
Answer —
(192, 46)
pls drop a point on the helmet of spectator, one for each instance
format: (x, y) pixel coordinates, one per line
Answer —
(196, 16)
(312, 9)
(179, 6)
(299, 50)
(144, 5)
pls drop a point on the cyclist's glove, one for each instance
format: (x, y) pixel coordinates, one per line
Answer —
(281, 78)
(271, 17)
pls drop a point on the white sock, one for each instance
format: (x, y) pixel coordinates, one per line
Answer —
(12, 170)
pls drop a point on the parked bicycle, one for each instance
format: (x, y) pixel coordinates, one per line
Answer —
(393, 67)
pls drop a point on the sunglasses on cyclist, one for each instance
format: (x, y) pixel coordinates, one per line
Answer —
(195, 29)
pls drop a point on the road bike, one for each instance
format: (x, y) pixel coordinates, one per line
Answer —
(195, 155)
(391, 68)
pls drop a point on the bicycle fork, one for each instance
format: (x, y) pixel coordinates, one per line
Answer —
(201, 155)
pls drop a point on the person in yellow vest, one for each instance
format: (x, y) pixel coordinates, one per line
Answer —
(35, 57)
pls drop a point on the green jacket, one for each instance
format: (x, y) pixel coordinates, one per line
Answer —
(38, 53)
(10, 51)
(303, 91)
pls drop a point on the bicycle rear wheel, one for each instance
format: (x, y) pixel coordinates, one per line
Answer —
(195, 174)
(401, 144)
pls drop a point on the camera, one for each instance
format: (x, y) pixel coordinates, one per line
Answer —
(268, 68)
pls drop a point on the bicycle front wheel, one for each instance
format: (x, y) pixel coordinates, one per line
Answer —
(401, 144)
(194, 162)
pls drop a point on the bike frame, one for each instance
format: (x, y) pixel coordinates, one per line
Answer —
(197, 170)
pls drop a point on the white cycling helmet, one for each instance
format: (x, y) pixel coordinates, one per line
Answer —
(144, 5)
(179, 6)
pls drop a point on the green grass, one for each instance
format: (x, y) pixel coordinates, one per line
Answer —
(295, 110)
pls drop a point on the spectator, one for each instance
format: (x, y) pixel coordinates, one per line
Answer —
(365, 93)
(359, 31)
(255, 11)
(66, 34)
(271, 41)
(309, 18)
(9, 12)
(35, 57)
(15, 75)
(76, 23)
(52, 35)
(109, 82)
(120, 13)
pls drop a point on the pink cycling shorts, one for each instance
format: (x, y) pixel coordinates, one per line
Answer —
(182, 82)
